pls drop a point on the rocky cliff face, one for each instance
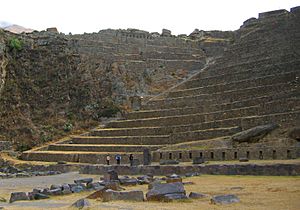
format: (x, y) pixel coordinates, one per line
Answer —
(53, 84)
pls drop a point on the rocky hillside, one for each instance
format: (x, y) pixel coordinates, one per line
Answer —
(53, 84)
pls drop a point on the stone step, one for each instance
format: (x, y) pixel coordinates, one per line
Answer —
(166, 130)
(78, 156)
(124, 140)
(241, 84)
(221, 97)
(278, 106)
(244, 122)
(203, 134)
(101, 147)
(243, 74)
(173, 138)
(225, 68)
(278, 98)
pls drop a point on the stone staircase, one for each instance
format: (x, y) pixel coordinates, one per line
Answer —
(256, 82)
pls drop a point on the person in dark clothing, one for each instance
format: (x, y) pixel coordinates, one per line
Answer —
(118, 159)
(131, 159)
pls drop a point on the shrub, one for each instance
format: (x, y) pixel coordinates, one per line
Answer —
(15, 44)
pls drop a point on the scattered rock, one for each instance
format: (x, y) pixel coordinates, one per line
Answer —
(195, 195)
(111, 175)
(39, 196)
(191, 174)
(224, 199)
(81, 203)
(198, 160)
(128, 182)
(169, 162)
(145, 179)
(173, 178)
(175, 196)
(77, 189)
(152, 184)
(55, 186)
(18, 196)
(66, 189)
(83, 181)
(253, 135)
(97, 194)
(56, 191)
(166, 192)
(94, 186)
(113, 185)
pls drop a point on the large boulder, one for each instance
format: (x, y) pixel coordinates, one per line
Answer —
(110, 195)
(166, 192)
(224, 199)
(18, 196)
(253, 135)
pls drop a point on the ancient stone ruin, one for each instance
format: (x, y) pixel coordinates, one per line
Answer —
(210, 95)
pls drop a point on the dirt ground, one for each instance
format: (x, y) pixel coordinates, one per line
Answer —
(257, 193)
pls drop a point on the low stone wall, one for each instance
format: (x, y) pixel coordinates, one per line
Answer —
(220, 169)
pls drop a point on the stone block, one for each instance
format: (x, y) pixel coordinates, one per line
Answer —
(195, 195)
(110, 195)
(224, 199)
(163, 192)
(18, 196)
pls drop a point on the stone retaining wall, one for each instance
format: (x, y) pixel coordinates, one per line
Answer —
(264, 153)
(220, 169)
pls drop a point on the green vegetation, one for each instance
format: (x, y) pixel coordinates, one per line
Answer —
(68, 127)
(15, 44)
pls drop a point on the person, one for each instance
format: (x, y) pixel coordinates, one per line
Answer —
(107, 159)
(131, 159)
(118, 159)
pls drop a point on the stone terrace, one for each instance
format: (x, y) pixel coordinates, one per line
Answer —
(254, 83)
